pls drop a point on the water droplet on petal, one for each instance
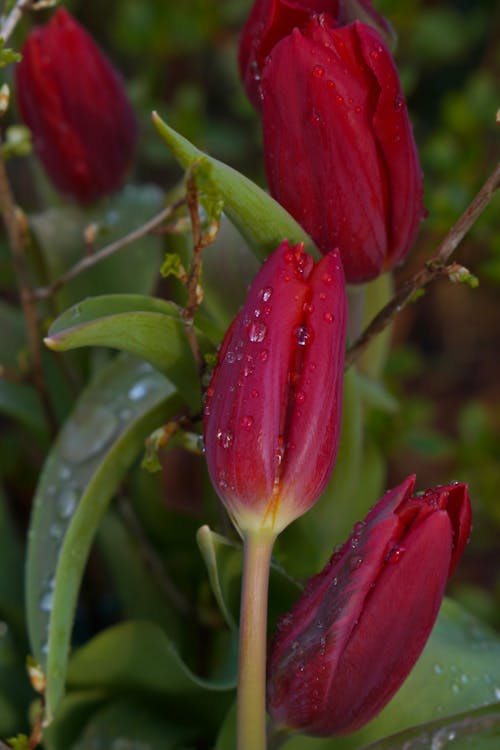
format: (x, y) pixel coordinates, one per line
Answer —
(224, 438)
(246, 423)
(257, 332)
(395, 555)
(328, 317)
(300, 397)
(303, 335)
(355, 561)
(318, 71)
(398, 102)
(263, 355)
(266, 293)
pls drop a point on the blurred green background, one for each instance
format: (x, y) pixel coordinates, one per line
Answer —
(444, 367)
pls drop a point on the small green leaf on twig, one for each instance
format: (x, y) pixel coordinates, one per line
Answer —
(8, 55)
(154, 443)
(20, 742)
(17, 141)
(417, 294)
(172, 266)
(209, 197)
(462, 275)
(36, 675)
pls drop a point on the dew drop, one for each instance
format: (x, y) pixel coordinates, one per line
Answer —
(66, 502)
(330, 84)
(357, 110)
(328, 317)
(398, 102)
(246, 423)
(46, 599)
(438, 669)
(230, 357)
(137, 392)
(254, 393)
(327, 279)
(266, 293)
(224, 438)
(339, 99)
(316, 117)
(64, 473)
(303, 335)
(355, 561)
(257, 332)
(300, 397)
(263, 355)
(318, 71)
(395, 555)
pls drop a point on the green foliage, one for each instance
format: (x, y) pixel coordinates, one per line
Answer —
(132, 608)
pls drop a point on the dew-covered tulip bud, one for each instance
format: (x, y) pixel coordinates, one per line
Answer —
(361, 624)
(73, 100)
(271, 20)
(273, 407)
(338, 144)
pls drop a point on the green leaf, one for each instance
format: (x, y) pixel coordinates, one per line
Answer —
(135, 725)
(139, 592)
(7, 55)
(139, 656)
(208, 195)
(92, 453)
(60, 234)
(474, 730)
(146, 327)
(259, 218)
(219, 557)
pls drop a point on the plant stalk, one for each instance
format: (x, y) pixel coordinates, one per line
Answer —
(253, 635)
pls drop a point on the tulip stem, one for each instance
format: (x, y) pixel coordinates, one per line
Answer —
(253, 636)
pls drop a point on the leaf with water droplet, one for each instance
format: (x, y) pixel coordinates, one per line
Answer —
(259, 218)
(74, 489)
(146, 327)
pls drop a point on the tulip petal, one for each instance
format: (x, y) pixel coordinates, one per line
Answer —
(317, 393)
(248, 395)
(394, 135)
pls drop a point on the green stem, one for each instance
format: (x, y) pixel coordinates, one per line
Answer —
(253, 635)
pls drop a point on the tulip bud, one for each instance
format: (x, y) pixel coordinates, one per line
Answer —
(338, 144)
(271, 20)
(361, 624)
(73, 101)
(273, 408)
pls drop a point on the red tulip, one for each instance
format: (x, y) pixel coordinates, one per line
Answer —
(271, 20)
(361, 624)
(73, 101)
(338, 144)
(273, 409)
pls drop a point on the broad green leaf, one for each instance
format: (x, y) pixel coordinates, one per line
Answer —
(138, 656)
(259, 218)
(139, 592)
(75, 711)
(475, 730)
(21, 403)
(92, 453)
(60, 234)
(135, 725)
(146, 327)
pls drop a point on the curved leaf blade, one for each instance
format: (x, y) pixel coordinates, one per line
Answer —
(259, 218)
(146, 327)
(92, 453)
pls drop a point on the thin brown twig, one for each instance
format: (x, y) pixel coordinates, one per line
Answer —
(16, 240)
(91, 260)
(434, 268)
(200, 241)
